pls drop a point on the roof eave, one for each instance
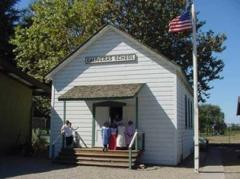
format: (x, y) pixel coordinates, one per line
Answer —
(94, 99)
(94, 37)
(98, 34)
(18, 75)
(78, 50)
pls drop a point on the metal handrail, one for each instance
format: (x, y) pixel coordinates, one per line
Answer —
(56, 140)
(81, 139)
(134, 139)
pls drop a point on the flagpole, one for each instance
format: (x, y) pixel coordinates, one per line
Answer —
(195, 87)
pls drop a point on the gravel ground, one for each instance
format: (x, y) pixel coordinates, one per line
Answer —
(110, 173)
(28, 168)
(20, 167)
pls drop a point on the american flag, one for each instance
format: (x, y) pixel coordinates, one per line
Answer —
(181, 23)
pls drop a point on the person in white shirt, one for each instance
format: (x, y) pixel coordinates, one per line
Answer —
(67, 131)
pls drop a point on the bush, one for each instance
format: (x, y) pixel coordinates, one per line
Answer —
(39, 142)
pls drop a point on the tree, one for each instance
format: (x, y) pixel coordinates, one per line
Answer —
(59, 26)
(211, 117)
(148, 21)
(8, 17)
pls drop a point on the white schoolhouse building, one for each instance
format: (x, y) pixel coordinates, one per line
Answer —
(114, 74)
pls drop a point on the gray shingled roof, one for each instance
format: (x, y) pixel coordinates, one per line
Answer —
(92, 92)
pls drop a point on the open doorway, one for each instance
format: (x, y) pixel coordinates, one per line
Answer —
(116, 113)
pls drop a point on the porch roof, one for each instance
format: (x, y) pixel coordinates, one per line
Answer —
(98, 92)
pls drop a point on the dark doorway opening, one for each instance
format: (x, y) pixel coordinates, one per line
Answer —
(116, 114)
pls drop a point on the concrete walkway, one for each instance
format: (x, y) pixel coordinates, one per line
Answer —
(213, 165)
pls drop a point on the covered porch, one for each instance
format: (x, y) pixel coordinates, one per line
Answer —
(105, 102)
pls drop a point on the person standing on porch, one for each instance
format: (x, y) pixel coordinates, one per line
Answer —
(121, 144)
(75, 135)
(105, 136)
(117, 120)
(129, 132)
(67, 132)
(113, 137)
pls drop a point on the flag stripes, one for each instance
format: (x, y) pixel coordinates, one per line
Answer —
(181, 23)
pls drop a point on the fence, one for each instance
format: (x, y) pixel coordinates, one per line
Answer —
(231, 135)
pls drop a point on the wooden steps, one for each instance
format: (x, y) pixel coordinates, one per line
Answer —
(96, 157)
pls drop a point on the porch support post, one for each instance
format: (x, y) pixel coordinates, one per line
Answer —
(64, 112)
(93, 125)
(64, 120)
(136, 125)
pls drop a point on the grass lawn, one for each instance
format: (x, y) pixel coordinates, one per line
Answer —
(230, 137)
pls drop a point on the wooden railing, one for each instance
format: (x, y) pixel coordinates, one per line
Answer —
(139, 141)
(80, 140)
(61, 136)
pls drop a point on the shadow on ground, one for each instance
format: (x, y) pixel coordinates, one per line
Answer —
(218, 161)
(189, 163)
(17, 165)
(228, 157)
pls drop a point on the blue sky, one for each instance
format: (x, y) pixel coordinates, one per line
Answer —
(221, 16)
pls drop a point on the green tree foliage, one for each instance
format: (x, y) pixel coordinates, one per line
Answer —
(59, 26)
(211, 119)
(148, 21)
(8, 17)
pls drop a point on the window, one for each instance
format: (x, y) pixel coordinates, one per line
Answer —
(188, 113)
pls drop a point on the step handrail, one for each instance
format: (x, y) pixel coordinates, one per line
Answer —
(63, 141)
(81, 139)
(133, 139)
(130, 147)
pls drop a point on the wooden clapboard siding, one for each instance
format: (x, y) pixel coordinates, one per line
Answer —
(185, 136)
(15, 113)
(157, 100)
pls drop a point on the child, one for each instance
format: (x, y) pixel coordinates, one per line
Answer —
(105, 136)
(74, 135)
(67, 132)
(129, 132)
(113, 137)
